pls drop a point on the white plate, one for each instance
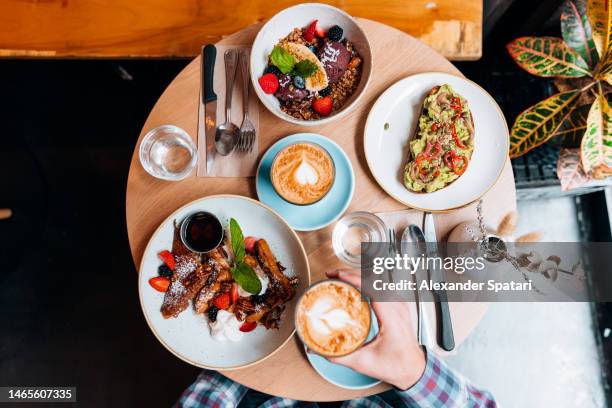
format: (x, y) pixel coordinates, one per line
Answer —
(188, 335)
(387, 150)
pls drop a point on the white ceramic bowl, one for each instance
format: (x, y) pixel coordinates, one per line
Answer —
(188, 335)
(281, 24)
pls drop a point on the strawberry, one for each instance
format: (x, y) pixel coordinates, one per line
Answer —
(249, 244)
(323, 106)
(168, 259)
(309, 33)
(248, 326)
(222, 301)
(234, 292)
(319, 32)
(159, 283)
(268, 83)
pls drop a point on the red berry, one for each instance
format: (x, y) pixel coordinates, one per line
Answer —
(249, 244)
(268, 83)
(323, 106)
(319, 32)
(234, 292)
(168, 258)
(309, 33)
(222, 301)
(248, 326)
(159, 283)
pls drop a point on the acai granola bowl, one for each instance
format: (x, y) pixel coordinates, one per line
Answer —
(310, 64)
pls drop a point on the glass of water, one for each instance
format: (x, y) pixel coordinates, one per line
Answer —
(167, 152)
(356, 233)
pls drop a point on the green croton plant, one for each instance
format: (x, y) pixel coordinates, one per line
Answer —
(579, 117)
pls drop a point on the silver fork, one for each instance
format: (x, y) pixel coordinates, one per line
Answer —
(392, 249)
(247, 130)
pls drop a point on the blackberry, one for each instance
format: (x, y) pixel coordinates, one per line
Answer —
(335, 33)
(325, 92)
(272, 69)
(164, 271)
(212, 313)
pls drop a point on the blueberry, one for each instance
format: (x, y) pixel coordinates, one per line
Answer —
(212, 313)
(313, 48)
(298, 81)
(271, 69)
(325, 92)
(164, 271)
(258, 299)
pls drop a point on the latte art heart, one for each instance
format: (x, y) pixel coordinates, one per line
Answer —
(302, 173)
(324, 318)
(306, 174)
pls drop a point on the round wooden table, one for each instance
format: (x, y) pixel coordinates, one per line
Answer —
(149, 201)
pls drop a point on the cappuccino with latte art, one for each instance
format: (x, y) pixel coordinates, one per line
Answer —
(302, 173)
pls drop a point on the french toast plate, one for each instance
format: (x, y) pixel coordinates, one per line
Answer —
(392, 123)
(188, 335)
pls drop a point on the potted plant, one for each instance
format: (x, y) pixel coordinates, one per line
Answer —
(579, 117)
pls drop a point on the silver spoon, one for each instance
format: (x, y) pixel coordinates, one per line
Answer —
(227, 134)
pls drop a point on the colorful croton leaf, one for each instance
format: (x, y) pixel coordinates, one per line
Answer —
(539, 123)
(596, 147)
(605, 68)
(547, 57)
(569, 169)
(576, 30)
(571, 130)
(599, 14)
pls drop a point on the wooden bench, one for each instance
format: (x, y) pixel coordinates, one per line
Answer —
(178, 28)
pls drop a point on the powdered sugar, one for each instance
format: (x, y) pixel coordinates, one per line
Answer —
(185, 264)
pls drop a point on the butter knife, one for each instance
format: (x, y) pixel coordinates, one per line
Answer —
(446, 339)
(413, 244)
(208, 105)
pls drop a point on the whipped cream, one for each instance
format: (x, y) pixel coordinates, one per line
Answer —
(226, 327)
(306, 174)
(324, 318)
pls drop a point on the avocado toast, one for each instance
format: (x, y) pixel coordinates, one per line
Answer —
(443, 144)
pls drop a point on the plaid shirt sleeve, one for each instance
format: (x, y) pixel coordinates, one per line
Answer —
(213, 390)
(440, 387)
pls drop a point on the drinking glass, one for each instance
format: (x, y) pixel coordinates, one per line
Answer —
(355, 229)
(168, 153)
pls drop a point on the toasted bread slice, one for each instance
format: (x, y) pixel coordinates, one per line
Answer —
(188, 278)
(443, 142)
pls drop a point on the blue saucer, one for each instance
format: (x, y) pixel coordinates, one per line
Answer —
(329, 208)
(342, 376)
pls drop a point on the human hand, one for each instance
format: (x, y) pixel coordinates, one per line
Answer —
(394, 356)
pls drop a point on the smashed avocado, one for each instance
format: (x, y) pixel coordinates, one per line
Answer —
(443, 144)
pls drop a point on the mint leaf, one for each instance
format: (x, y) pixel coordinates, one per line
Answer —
(282, 59)
(237, 240)
(305, 68)
(246, 277)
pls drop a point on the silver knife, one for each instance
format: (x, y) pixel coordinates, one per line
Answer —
(207, 116)
(446, 339)
(413, 244)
